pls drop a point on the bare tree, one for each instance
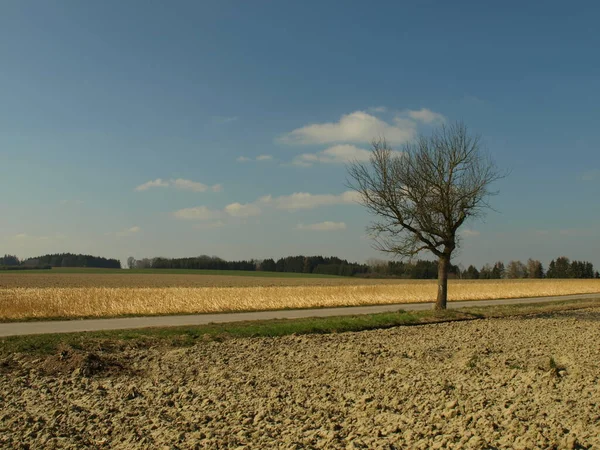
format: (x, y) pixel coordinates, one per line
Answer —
(534, 269)
(423, 195)
(131, 262)
(516, 269)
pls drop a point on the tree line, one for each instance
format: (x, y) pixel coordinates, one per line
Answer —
(59, 260)
(560, 267)
(297, 264)
(419, 269)
(12, 262)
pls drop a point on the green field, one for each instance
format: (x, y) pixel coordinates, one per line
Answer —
(238, 273)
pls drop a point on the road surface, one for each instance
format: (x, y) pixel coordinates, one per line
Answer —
(78, 325)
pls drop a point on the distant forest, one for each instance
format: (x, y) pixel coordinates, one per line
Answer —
(561, 267)
(297, 264)
(58, 260)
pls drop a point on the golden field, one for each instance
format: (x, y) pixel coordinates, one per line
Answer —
(24, 296)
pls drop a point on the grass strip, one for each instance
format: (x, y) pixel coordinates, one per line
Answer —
(116, 340)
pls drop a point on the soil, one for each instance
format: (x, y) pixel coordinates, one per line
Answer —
(520, 383)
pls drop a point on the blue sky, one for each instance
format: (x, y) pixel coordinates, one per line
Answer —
(221, 127)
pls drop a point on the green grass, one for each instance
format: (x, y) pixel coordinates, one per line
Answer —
(240, 273)
(190, 335)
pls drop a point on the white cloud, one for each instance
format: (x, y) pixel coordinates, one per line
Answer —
(470, 233)
(197, 213)
(189, 185)
(243, 159)
(202, 213)
(426, 116)
(358, 126)
(338, 154)
(181, 184)
(150, 184)
(323, 226)
(377, 109)
(293, 202)
(239, 210)
(304, 200)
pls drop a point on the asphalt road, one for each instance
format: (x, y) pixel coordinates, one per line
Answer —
(76, 325)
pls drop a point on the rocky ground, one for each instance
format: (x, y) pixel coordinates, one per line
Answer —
(519, 383)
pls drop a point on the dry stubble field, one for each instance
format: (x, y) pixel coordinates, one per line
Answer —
(517, 383)
(47, 295)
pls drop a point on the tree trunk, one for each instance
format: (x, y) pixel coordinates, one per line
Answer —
(442, 296)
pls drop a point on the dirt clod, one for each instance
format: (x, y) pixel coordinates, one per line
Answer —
(80, 364)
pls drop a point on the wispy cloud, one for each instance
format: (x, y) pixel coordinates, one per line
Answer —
(189, 185)
(473, 100)
(151, 184)
(358, 126)
(305, 200)
(590, 175)
(243, 159)
(338, 154)
(470, 233)
(179, 183)
(197, 213)
(578, 232)
(240, 210)
(221, 120)
(322, 226)
(24, 237)
(377, 109)
(566, 232)
(202, 213)
(293, 202)
(426, 116)
(126, 232)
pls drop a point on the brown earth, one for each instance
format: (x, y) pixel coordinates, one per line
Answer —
(521, 383)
